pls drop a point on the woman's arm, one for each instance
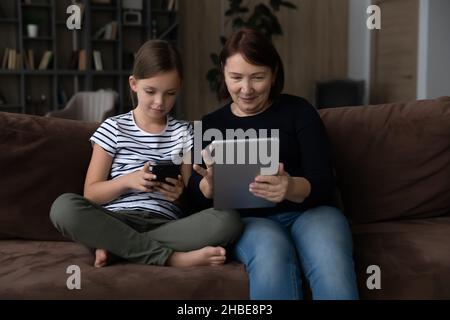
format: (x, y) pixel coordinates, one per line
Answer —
(281, 187)
(298, 189)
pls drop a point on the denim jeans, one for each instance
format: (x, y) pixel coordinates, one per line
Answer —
(275, 250)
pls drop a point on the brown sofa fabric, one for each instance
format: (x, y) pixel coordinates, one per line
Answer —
(37, 270)
(392, 161)
(40, 158)
(393, 168)
(412, 256)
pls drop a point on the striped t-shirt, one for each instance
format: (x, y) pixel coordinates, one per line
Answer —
(131, 147)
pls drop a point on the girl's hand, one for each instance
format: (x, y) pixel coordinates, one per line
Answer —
(171, 192)
(142, 180)
(207, 183)
(272, 188)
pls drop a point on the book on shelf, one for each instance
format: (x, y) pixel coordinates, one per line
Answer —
(26, 61)
(107, 32)
(172, 5)
(81, 6)
(19, 63)
(12, 59)
(31, 58)
(5, 58)
(73, 63)
(62, 97)
(98, 64)
(45, 61)
(101, 1)
(82, 59)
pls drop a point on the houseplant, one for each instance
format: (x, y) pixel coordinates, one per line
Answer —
(32, 23)
(262, 18)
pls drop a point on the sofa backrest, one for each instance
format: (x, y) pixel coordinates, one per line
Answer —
(40, 158)
(392, 161)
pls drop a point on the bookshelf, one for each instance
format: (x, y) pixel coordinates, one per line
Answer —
(108, 28)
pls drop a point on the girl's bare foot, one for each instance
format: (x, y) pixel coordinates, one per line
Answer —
(207, 256)
(101, 258)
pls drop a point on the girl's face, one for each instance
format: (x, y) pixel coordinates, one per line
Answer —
(249, 85)
(156, 95)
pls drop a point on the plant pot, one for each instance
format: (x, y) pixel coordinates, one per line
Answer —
(32, 30)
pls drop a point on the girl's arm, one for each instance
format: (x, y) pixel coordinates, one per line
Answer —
(97, 187)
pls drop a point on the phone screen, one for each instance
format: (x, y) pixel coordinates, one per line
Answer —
(165, 170)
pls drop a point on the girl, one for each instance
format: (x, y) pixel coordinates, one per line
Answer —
(125, 211)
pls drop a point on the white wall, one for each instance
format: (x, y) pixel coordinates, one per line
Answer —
(422, 49)
(359, 43)
(433, 65)
(438, 57)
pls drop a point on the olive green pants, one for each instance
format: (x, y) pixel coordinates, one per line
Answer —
(138, 236)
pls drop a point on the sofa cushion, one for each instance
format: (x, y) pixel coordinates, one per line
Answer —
(412, 256)
(393, 160)
(37, 270)
(41, 158)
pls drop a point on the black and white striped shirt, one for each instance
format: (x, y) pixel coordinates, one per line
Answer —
(131, 147)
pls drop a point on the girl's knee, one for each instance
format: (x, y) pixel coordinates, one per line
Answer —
(63, 208)
(230, 226)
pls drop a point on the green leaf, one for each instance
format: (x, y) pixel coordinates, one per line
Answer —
(223, 40)
(238, 23)
(213, 77)
(288, 4)
(276, 27)
(261, 18)
(275, 4)
(214, 58)
(229, 12)
(212, 74)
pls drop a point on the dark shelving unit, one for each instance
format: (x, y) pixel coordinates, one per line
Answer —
(22, 88)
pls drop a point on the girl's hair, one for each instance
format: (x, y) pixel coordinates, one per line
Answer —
(257, 50)
(155, 57)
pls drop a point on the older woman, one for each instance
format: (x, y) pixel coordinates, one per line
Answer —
(303, 232)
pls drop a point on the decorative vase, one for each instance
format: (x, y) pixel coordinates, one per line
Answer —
(32, 30)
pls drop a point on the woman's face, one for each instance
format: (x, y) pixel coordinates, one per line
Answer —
(156, 95)
(248, 84)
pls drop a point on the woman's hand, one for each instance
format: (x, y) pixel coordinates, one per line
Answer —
(171, 192)
(272, 188)
(142, 180)
(207, 182)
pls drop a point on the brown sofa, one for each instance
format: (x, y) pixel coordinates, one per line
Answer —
(393, 169)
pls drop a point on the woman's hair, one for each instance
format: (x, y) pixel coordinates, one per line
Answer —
(155, 57)
(257, 50)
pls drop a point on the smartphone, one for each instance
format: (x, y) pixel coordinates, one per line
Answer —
(165, 169)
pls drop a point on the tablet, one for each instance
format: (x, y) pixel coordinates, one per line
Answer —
(236, 164)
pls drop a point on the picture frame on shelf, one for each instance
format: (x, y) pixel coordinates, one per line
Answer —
(132, 18)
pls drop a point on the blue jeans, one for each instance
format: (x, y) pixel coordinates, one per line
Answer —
(277, 248)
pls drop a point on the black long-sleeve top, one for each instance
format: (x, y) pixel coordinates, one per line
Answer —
(304, 149)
